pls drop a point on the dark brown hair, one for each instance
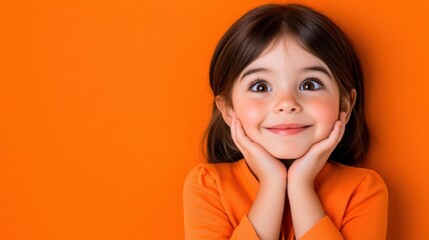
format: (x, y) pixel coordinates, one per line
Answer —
(247, 38)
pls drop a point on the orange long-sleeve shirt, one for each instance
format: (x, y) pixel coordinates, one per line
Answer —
(218, 197)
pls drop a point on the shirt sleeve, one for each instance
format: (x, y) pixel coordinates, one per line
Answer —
(323, 230)
(365, 216)
(204, 215)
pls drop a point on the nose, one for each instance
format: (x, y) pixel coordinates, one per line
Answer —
(287, 103)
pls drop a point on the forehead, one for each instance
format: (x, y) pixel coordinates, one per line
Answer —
(285, 52)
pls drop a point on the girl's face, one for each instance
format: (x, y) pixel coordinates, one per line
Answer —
(286, 100)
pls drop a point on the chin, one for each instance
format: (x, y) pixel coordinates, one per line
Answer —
(288, 154)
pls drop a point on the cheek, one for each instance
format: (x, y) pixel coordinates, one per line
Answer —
(325, 113)
(251, 113)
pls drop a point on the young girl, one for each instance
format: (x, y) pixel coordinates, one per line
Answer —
(288, 117)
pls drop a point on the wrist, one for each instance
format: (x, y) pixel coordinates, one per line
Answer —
(273, 182)
(278, 177)
(300, 185)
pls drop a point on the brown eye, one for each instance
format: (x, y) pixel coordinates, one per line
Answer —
(260, 87)
(310, 85)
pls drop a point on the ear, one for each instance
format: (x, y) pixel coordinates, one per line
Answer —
(348, 104)
(225, 109)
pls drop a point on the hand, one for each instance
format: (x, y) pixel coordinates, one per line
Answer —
(305, 169)
(267, 210)
(263, 164)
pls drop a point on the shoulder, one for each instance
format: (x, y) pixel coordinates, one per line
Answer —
(211, 174)
(367, 185)
(347, 191)
(346, 184)
(364, 205)
(356, 177)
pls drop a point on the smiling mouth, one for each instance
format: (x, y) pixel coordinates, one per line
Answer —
(288, 129)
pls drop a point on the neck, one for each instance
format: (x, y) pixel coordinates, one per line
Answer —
(287, 162)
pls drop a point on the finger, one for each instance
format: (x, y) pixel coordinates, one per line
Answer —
(234, 132)
(335, 135)
(343, 126)
(330, 142)
(245, 142)
(337, 130)
(241, 136)
(343, 116)
(232, 127)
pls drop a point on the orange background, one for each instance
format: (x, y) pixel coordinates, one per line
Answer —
(103, 105)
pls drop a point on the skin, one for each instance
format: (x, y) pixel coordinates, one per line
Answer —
(293, 89)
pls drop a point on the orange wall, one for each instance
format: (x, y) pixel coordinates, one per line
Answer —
(103, 105)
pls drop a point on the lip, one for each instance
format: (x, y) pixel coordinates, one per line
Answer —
(288, 129)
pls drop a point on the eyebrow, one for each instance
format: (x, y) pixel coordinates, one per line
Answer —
(319, 69)
(311, 68)
(254, 70)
